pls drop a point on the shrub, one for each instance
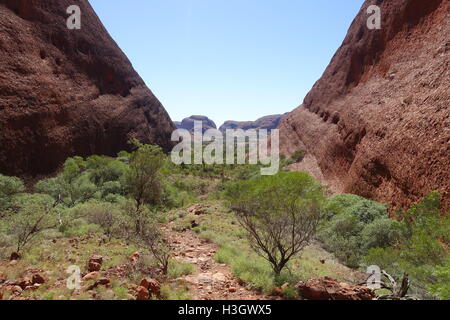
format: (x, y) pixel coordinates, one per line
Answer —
(252, 269)
(366, 210)
(104, 169)
(421, 251)
(71, 187)
(381, 233)
(32, 214)
(142, 179)
(106, 215)
(9, 187)
(280, 214)
(178, 269)
(355, 224)
(442, 286)
(152, 239)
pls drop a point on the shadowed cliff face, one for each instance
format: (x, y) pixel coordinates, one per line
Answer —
(67, 92)
(378, 121)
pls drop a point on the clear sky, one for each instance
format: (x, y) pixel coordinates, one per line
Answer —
(228, 59)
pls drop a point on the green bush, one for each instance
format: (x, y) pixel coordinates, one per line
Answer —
(421, 251)
(280, 214)
(178, 269)
(106, 215)
(381, 233)
(32, 214)
(98, 177)
(354, 225)
(104, 169)
(366, 210)
(442, 286)
(70, 187)
(9, 187)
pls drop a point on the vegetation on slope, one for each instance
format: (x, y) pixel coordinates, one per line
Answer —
(117, 206)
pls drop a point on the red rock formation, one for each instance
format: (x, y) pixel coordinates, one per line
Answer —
(65, 92)
(188, 123)
(267, 122)
(378, 121)
(330, 289)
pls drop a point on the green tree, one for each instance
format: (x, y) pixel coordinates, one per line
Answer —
(32, 214)
(72, 186)
(9, 187)
(421, 251)
(142, 179)
(280, 214)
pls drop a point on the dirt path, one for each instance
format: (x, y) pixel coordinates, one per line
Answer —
(210, 280)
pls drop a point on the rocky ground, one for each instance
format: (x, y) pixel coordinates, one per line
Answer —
(210, 280)
(118, 270)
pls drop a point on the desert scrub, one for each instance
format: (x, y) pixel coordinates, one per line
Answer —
(178, 290)
(178, 269)
(223, 229)
(279, 213)
(251, 269)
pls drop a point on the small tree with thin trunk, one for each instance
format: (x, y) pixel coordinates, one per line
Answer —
(31, 215)
(142, 179)
(158, 246)
(280, 214)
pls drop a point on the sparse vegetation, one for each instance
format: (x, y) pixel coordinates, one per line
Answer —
(280, 214)
(116, 207)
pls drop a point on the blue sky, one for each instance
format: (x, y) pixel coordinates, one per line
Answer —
(228, 59)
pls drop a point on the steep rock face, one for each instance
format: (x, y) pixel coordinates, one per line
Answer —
(268, 122)
(65, 92)
(188, 123)
(378, 121)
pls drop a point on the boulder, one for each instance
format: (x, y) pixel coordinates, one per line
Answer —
(96, 258)
(16, 290)
(91, 276)
(94, 266)
(194, 224)
(330, 289)
(134, 258)
(24, 283)
(100, 282)
(153, 286)
(95, 263)
(196, 209)
(37, 278)
(142, 293)
(15, 256)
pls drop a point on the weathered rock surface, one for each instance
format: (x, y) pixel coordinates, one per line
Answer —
(153, 286)
(330, 289)
(378, 121)
(67, 92)
(268, 122)
(142, 294)
(95, 263)
(188, 123)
